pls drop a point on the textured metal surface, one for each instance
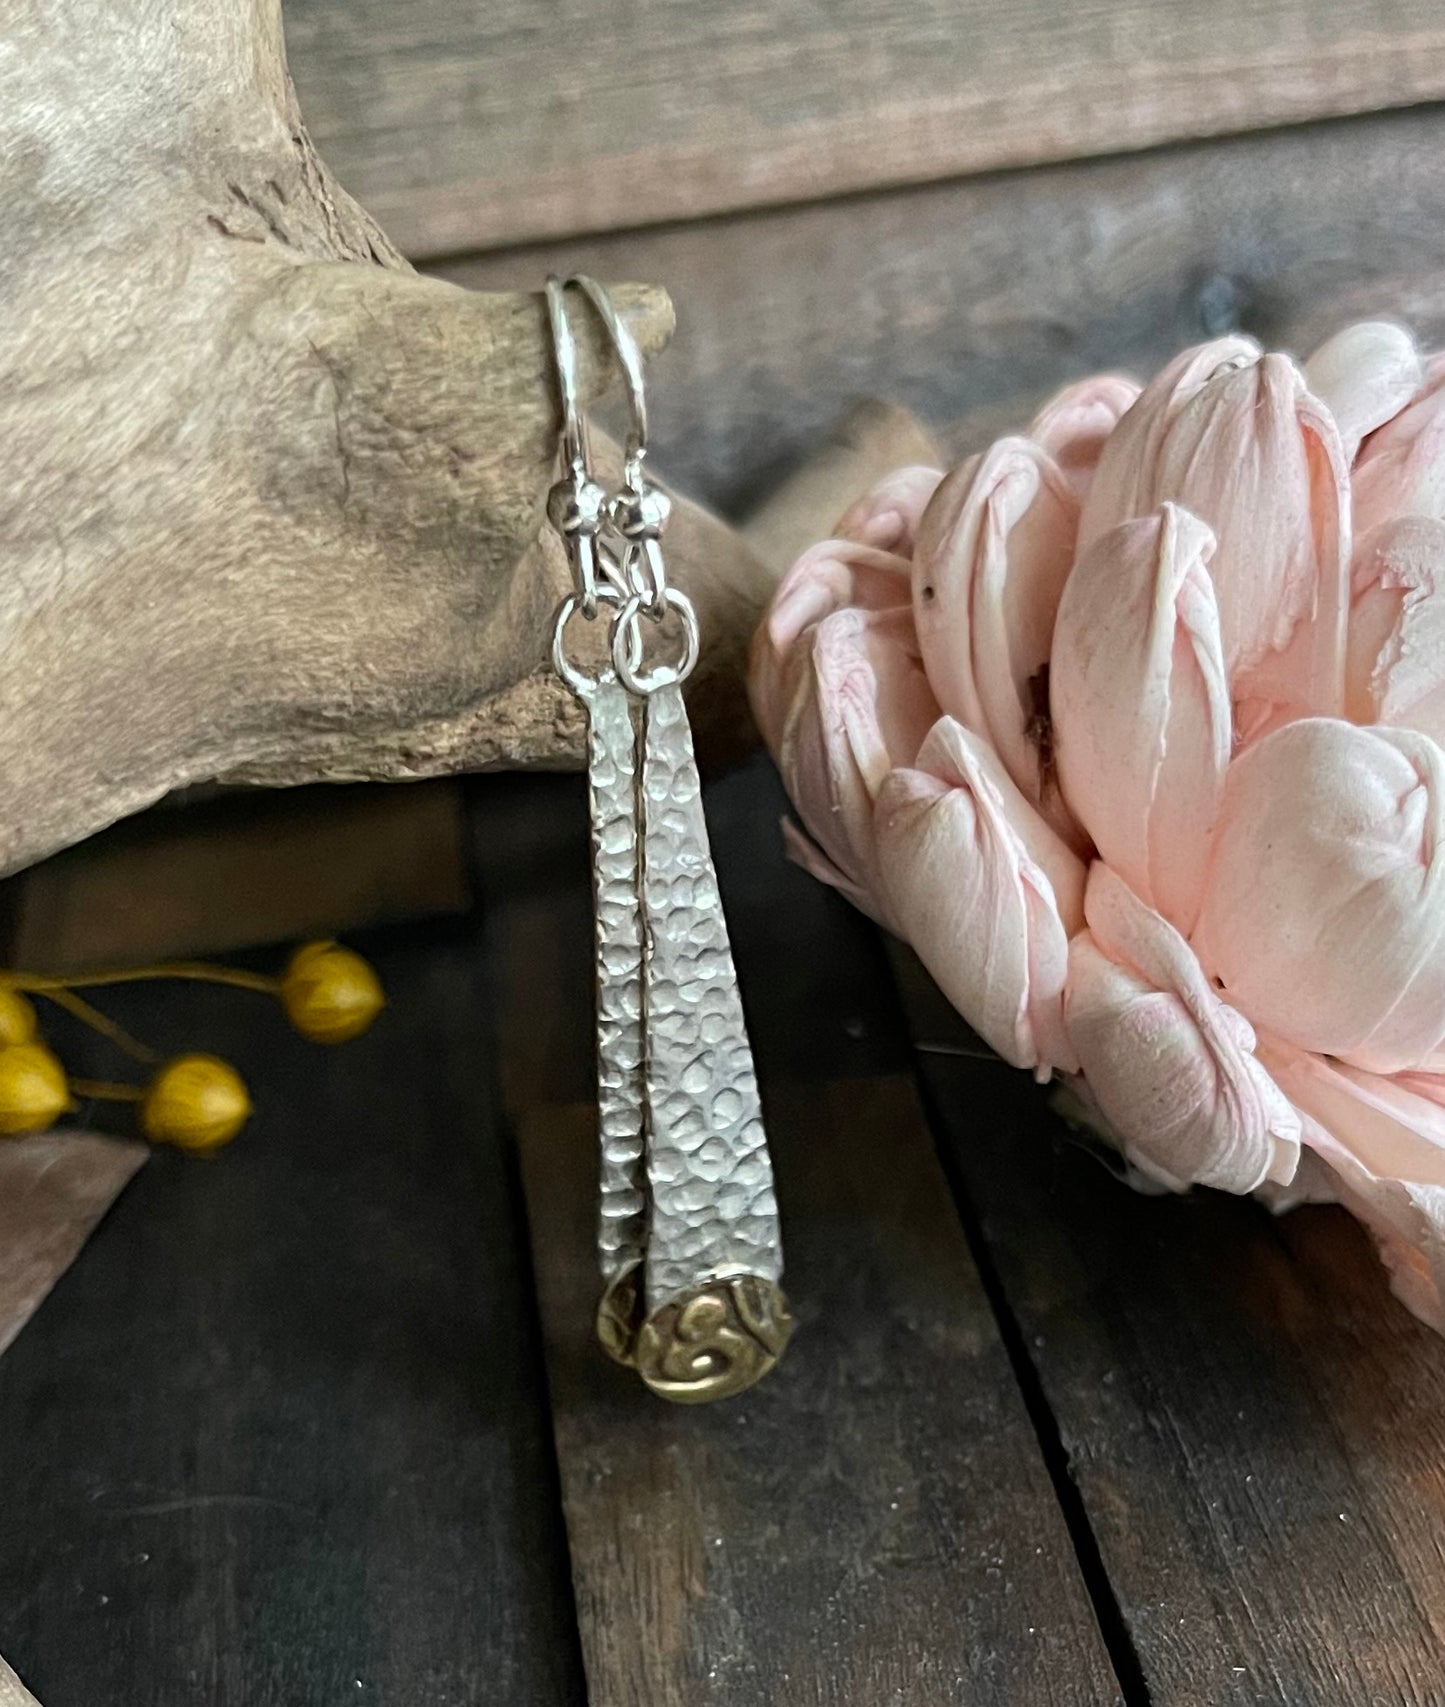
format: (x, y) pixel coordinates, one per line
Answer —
(612, 787)
(713, 1213)
(688, 1225)
(714, 1343)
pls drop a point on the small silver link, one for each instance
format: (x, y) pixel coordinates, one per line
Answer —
(627, 644)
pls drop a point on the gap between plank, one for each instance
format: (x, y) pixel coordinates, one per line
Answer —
(1113, 1626)
(558, 1541)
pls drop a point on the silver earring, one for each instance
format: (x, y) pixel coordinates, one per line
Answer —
(688, 1235)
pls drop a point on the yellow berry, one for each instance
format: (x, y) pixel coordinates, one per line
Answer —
(330, 994)
(33, 1090)
(18, 1023)
(196, 1102)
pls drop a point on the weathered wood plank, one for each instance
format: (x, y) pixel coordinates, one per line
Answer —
(876, 1521)
(1256, 1429)
(968, 302)
(279, 1435)
(875, 1524)
(217, 875)
(469, 127)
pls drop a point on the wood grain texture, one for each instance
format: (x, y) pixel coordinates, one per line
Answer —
(1255, 1427)
(54, 1188)
(279, 1437)
(469, 127)
(230, 873)
(874, 1522)
(969, 302)
(308, 543)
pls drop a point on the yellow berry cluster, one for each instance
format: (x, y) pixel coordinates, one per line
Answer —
(197, 1102)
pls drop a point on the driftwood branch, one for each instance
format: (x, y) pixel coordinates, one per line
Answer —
(871, 440)
(271, 505)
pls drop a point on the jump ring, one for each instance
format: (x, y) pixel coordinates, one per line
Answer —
(627, 644)
(579, 683)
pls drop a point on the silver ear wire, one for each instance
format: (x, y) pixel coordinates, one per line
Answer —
(638, 511)
(564, 356)
(576, 505)
(629, 358)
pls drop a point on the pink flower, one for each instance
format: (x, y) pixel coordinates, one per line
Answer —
(1141, 704)
(1235, 438)
(1171, 1066)
(1115, 724)
(1397, 626)
(1401, 468)
(1074, 426)
(1324, 915)
(888, 516)
(839, 691)
(996, 937)
(997, 543)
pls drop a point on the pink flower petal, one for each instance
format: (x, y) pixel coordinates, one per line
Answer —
(833, 575)
(888, 516)
(994, 550)
(1237, 439)
(1401, 468)
(1073, 426)
(1395, 663)
(1127, 474)
(1364, 375)
(863, 706)
(1141, 715)
(1170, 1066)
(1379, 1149)
(1324, 913)
(979, 909)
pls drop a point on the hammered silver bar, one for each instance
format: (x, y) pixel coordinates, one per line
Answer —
(612, 793)
(714, 1315)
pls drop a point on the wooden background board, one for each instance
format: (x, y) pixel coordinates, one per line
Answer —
(241, 869)
(279, 1437)
(969, 302)
(1255, 1427)
(875, 1521)
(467, 127)
(284, 1426)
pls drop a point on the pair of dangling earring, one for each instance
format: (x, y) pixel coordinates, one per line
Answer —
(687, 1234)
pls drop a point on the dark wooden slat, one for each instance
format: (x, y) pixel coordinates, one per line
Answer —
(1256, 1429)
(278, 1437)
(468, 127)
(968, 302)
(875, 1522)
(215, 875)
(873, 1525)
